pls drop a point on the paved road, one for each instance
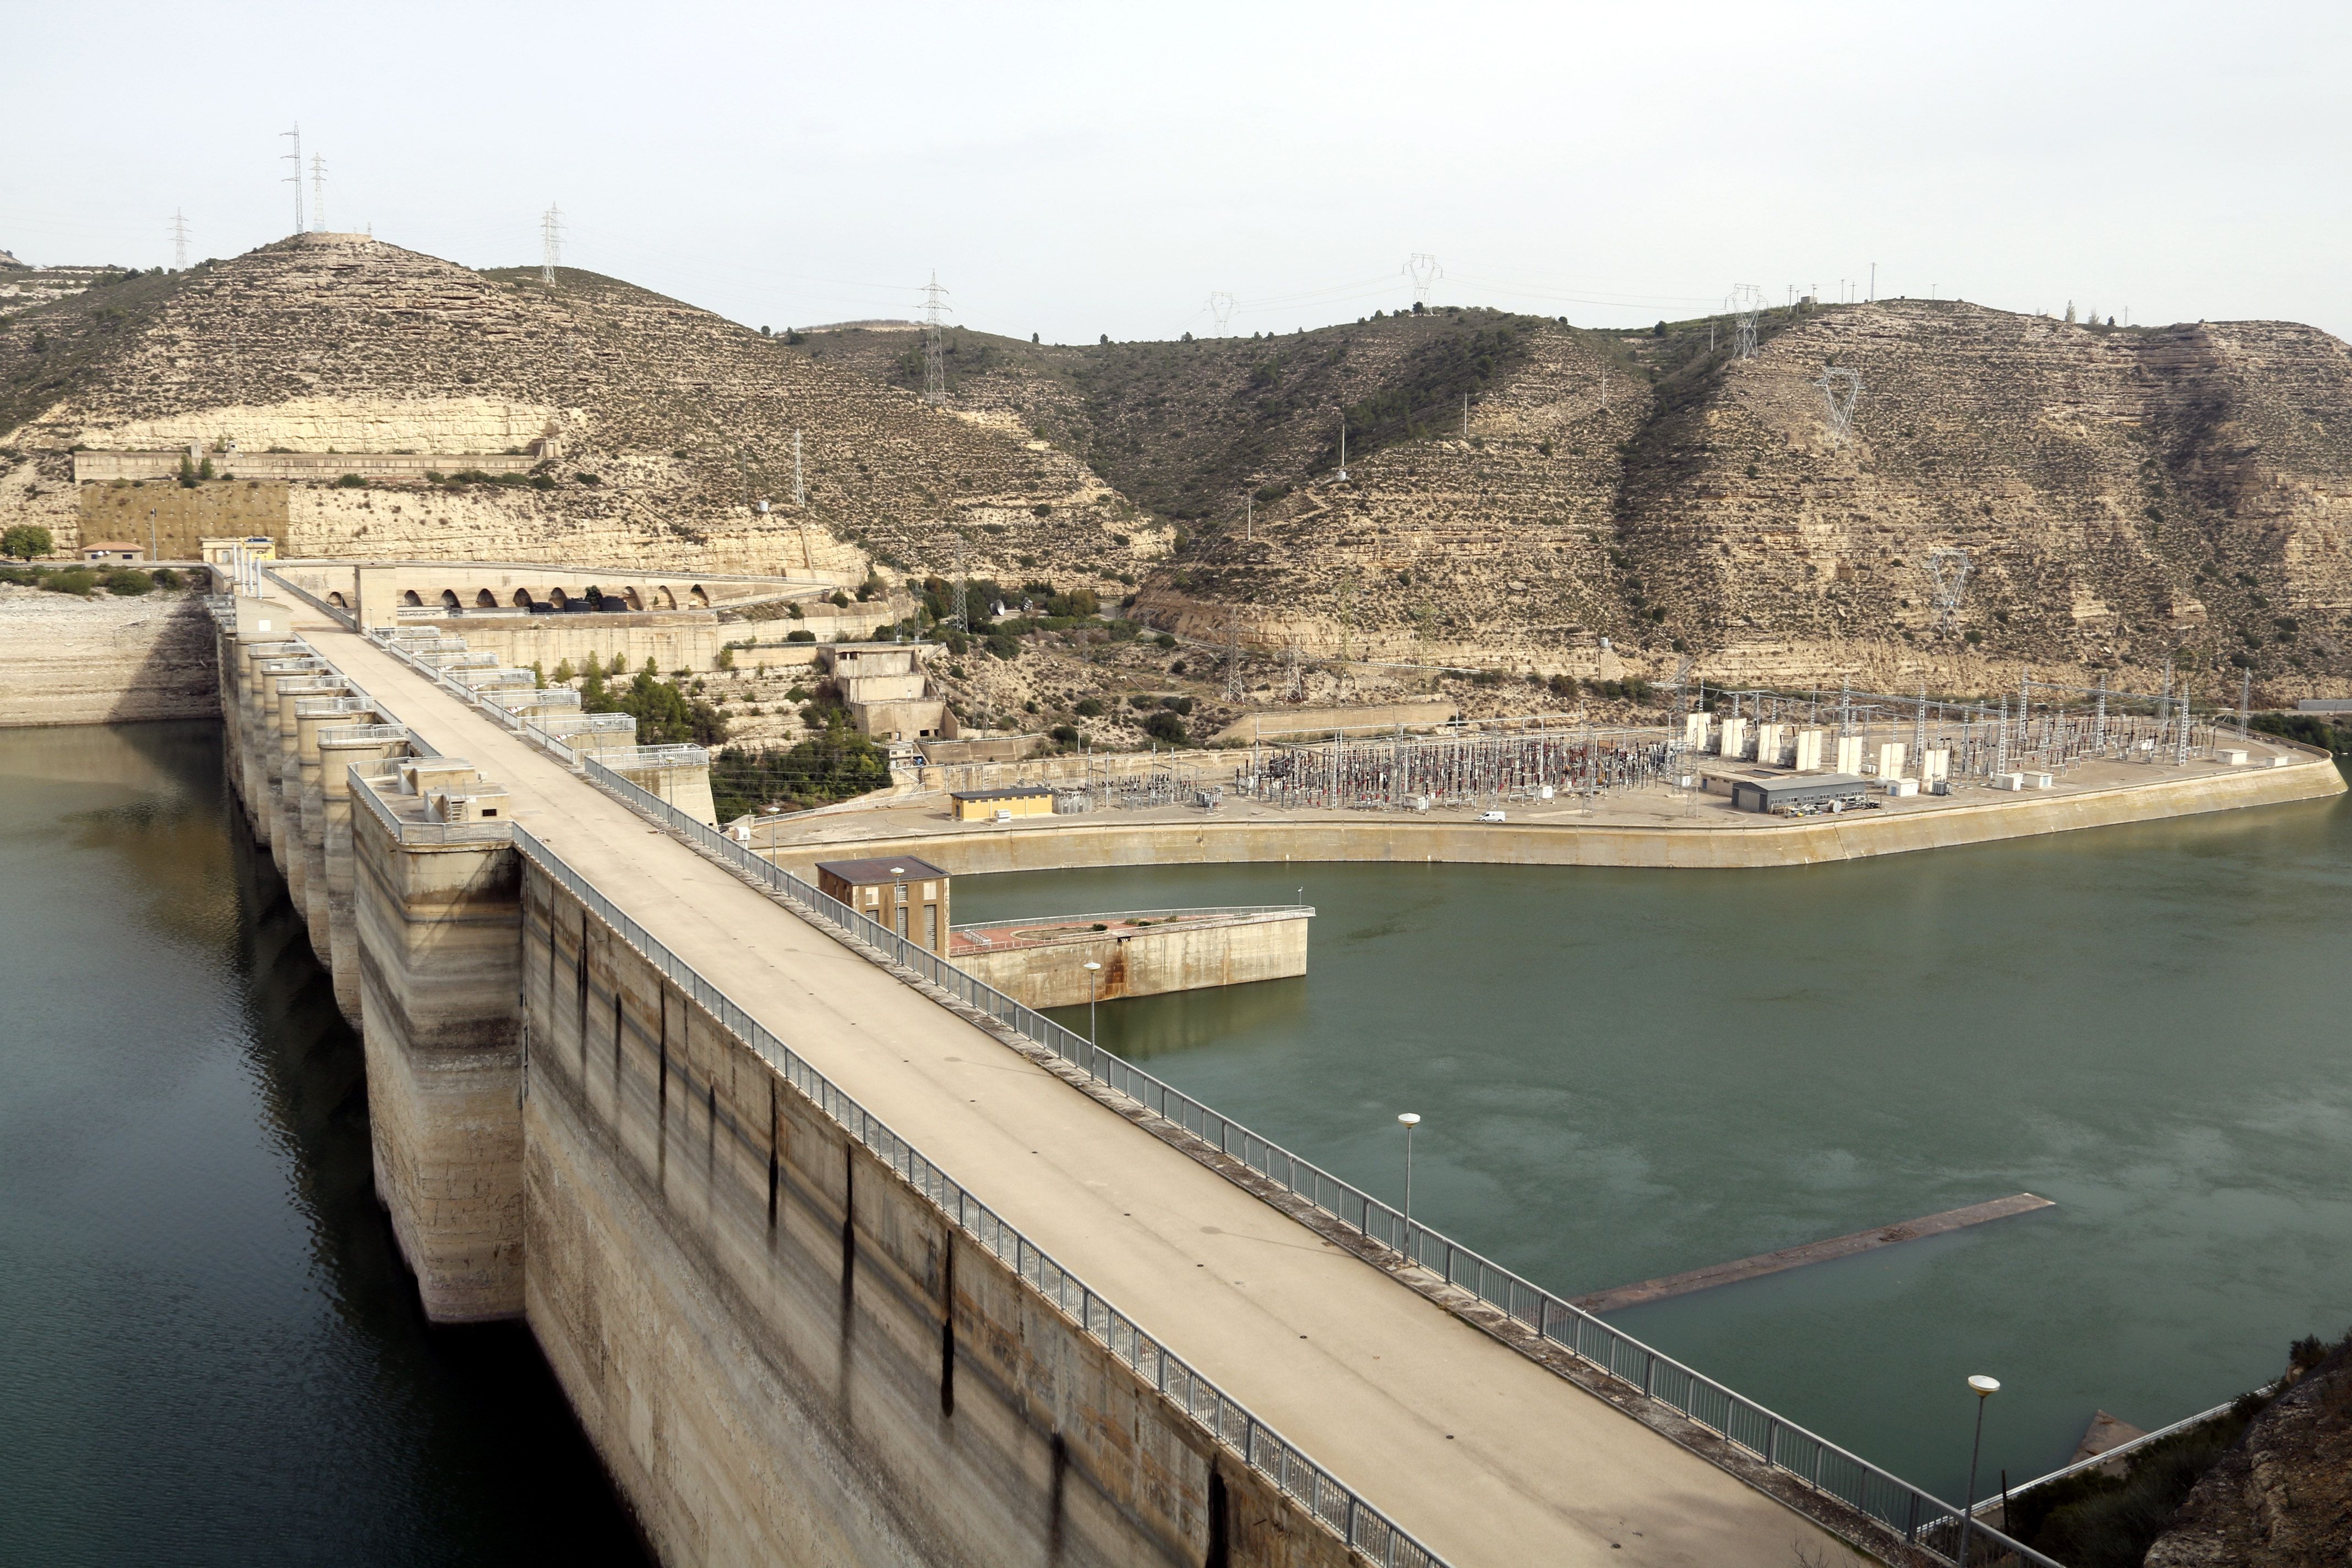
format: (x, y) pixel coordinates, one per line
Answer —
(1479, 1452)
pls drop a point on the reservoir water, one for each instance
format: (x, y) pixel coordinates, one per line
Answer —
(213, 1354)
(1628, 1074)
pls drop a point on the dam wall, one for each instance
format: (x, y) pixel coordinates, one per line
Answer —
(887, 1391)
(786, 1346)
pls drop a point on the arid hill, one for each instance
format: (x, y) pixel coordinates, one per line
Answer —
(1518, 494)
(338, 342)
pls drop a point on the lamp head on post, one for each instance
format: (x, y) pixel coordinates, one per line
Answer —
(1984, 1387)
(1410, 1119)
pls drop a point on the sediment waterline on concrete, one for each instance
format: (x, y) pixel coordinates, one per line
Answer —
(1112, 839)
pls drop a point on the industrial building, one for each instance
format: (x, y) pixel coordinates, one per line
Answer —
(1014, 800)
(1802, 794)
(907, 895)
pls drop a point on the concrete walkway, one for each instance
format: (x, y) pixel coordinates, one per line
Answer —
(1484, 1455)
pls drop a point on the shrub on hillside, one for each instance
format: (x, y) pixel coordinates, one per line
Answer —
(1165, 726)
(128, 584)
(74, 580)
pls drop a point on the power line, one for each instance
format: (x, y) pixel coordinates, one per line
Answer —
(295, 179)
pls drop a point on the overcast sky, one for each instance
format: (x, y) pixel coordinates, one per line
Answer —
(1081, 170)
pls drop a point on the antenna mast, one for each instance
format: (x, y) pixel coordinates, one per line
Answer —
(935, 368)
(295, 179)
(551, 243)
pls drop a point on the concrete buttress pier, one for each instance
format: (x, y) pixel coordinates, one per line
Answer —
(438, 914)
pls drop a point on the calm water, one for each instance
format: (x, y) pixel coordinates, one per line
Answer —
(1630, 1074)
(212, 1352)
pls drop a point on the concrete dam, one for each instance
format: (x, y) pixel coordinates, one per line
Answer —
(842, 1256)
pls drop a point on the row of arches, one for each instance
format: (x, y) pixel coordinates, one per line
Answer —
(656, 597)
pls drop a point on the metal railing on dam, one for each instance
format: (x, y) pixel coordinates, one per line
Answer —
(1919, 1517)
(1225, 1419)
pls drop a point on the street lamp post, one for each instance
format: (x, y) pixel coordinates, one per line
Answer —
(1410, 1120)
(1094, 973)
(1984, 1388)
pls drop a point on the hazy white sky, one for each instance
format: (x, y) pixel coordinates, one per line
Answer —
(1080, 170)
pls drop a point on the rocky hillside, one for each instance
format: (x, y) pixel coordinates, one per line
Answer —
(1518, 494)
(670, 422)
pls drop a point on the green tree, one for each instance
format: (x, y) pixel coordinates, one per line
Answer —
(26, 539)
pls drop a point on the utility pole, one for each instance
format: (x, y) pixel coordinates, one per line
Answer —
(318, 190)
(1343, 444)
(799, 490)
(551, 243)
(295, 179)
(1249, 517)
(179, 241)
(935, 367)
(1465, 416)
(1874, 282)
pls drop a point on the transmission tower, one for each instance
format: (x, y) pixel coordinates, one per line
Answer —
(1423, 269)
(1233, 656)
(1948, 570)
(963, 591)
(935, 366)
(799, 490)
(1745, 306)
(319, 192)
(1841, 389)
(295, 179)
(1220, 306)
(551, 243)
(179, 241)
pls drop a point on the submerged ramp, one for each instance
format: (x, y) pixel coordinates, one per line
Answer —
(1624, 1296)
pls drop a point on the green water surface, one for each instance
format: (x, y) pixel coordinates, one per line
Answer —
(1627, 1074)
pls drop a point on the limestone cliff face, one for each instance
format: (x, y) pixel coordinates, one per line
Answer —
(324, 342)
(68, 661)
(2120, 496)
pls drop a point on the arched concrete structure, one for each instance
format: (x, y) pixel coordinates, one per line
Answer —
(558, 597)
(486, 600)
(634, 599)
(523, 599)
(701, 600)
(413, 599)
(449, 598)
(337, 600)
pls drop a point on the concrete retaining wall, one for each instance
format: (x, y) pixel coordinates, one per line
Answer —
(1046, 844)
(1188, 956)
